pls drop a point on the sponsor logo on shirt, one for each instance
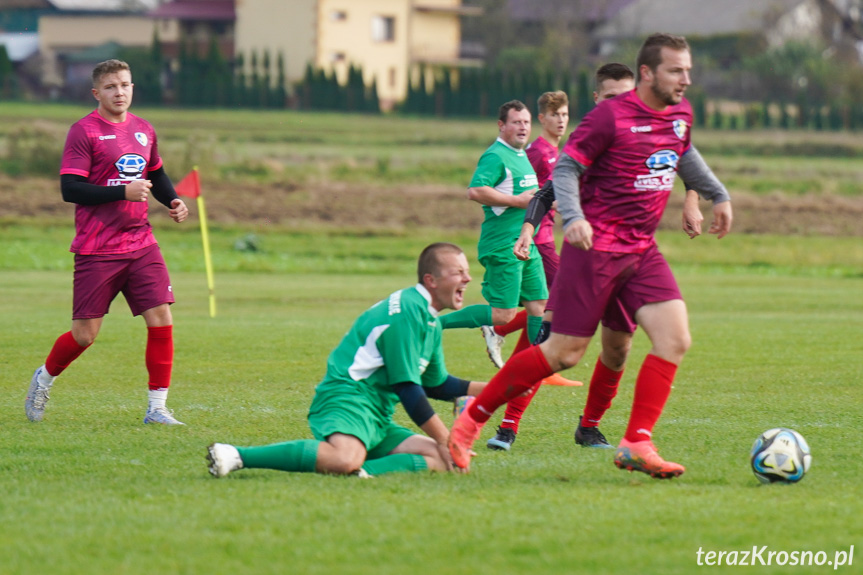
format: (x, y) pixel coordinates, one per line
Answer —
(679, 128)
(129, 167)
(141, 137)
(395, 303)
(638, 129)
(528, 181)
(663, 168)
(108, 137)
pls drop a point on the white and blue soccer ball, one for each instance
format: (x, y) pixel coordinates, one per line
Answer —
(780, 455)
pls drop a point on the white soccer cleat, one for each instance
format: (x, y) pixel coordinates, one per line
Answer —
(223, 459)
(161, 415)
(37, 397)
(493, 345)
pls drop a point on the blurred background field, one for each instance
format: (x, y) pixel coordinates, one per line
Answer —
(316, 216)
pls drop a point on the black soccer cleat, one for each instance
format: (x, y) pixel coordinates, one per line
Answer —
(591, 437)
(503, 440)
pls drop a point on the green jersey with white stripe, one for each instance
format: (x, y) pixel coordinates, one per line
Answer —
(397, 340)
(508, 171)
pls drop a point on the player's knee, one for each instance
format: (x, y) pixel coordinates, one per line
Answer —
(502, 316)
(343, 464)
(84, 339)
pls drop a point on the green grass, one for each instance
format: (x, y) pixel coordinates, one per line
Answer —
(776, 327)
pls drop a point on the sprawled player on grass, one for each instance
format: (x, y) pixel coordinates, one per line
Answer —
(392, 353)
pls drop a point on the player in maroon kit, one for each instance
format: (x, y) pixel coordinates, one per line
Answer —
(110, 166)
(612, 183)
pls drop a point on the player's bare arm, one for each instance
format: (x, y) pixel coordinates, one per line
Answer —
(692, 216)
(488, 196)
(695, 172)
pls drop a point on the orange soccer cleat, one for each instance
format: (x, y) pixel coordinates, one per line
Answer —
(642, 456)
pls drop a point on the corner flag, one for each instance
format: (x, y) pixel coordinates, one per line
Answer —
(190, 186)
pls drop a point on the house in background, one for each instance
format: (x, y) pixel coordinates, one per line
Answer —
(389, 39)
(197, 23)
(79, 26)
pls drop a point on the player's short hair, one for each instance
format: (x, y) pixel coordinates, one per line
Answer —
(108, 67)
(650, 53)
(612, 71)
(503, 112)
(552, 101)
(429, 260)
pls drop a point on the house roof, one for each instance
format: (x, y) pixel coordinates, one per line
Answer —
(211, 10)
(590, 10)
(105, 5)
(692, 17)
(24, 4)
(20, 45)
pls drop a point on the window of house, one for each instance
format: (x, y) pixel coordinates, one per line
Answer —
(338, 15)
(383, 28)
(337, 57)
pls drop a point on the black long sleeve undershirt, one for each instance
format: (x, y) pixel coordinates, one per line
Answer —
(76, 190)
(414, 398)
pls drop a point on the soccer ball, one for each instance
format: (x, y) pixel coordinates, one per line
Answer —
(780, 454)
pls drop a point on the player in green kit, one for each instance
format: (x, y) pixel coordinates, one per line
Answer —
(391, 354)
(504, 182)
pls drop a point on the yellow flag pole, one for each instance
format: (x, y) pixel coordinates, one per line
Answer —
(208, 262)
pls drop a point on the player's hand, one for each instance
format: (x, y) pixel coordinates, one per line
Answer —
(579, 234)
(138, 190)
(521, 250)
(722, 218)
(523, 199)
(443, 450)
(178, 211)
(692, 216)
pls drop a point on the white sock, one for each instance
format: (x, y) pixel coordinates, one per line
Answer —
(157, 398)
(44, 378)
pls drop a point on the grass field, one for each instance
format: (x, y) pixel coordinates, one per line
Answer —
(776, 325)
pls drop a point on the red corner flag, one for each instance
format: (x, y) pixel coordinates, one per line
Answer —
(190, 186)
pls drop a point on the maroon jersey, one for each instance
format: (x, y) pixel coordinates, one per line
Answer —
(631, 153)
(110, 154)
(542, 156)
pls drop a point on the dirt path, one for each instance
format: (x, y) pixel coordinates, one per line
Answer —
(341, 205)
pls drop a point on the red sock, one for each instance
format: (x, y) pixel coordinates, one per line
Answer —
(516, 406)
(519, 374)
(517, 323)
(65, 351)
(652, 389)
(603, 388)
(160, 356)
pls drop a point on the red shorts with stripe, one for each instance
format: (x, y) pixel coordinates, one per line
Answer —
(141, 276)
(609, 287)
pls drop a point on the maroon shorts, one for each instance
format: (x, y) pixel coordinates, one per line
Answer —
(141, 275)
(550, 261)
(594, 286)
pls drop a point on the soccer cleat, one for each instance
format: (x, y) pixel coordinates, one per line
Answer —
(161, 415)
(557, 379)
(642, 456)
(503, 440)
(223, 459)
(459, 404)
(362, 474)
(493, 345)
(590, 437)
(461, 438)
(37, 397)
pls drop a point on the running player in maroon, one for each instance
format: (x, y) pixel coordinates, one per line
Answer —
(612, 183)
(110, 166)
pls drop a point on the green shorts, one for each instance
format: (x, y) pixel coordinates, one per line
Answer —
(347, 413)
(509, 281)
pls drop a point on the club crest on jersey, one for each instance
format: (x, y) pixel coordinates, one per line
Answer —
(142, 137)
(679, 128)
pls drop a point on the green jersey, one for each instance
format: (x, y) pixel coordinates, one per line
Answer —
(397, 340)
(508, 171)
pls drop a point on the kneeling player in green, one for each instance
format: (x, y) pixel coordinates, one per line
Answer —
(392, 353)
